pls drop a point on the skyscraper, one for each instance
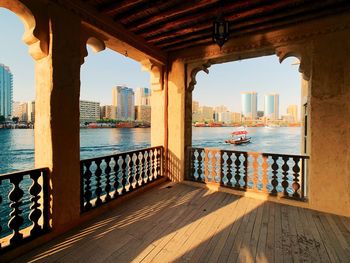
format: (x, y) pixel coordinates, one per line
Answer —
(292, 111)
(271, 105)
(6, 91)
(124, 102)
(143, 97)
(249, 102)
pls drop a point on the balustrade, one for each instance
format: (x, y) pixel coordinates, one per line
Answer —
(274, 174)
(106, 178)
(24, 206)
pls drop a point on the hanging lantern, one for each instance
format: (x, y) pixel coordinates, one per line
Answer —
(220, 31)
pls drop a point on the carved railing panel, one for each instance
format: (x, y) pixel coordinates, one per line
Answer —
(106, 178)
(24, 206)
(274, 174)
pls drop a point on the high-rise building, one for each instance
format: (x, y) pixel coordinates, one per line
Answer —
(123, 100)
(6, 91)
(107, 112)
(20, 110)
(143, 97)
(249, 102)
(143, 113)
(89, 111)
(271, 106)
(292, 111)
(31, 111)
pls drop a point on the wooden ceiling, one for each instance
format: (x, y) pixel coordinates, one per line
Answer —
(171, 25)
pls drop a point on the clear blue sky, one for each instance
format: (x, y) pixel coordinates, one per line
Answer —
(101, 71)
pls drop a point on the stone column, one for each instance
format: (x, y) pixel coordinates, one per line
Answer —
(329, 165)
(176, 121)
(57, 116)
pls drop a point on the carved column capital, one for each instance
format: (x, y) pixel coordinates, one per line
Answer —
(94, 41)
(157, 73)
(302, 52)
(191, 72)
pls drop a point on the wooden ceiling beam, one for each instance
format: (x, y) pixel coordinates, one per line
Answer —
(264, 26)
(116, 7)
(230, 17)
(140, 15)
(300, 10)
(180, 40)
(185, 8)
(196, 18)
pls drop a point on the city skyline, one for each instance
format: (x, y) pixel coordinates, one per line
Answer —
(263, 74)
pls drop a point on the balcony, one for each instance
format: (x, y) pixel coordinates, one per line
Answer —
(182, 221)
(178, 222)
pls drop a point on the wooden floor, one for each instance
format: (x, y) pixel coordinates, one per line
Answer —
(182, 223)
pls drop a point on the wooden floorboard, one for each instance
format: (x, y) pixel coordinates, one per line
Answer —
(187, 224)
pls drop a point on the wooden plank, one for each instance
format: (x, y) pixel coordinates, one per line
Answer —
(278, 255)
(207, 230)
(306, 242)
(324, 237)
(256, 231)
(196, 212)
(270, 239)
(343, 228)
(240, 213)
(173, 249)
(262, 242)
(333, 240)
(231, 218)
(160, 233)
(244, 254)
(236, 247)
(338, 234)
(214, 236)
(293, 236)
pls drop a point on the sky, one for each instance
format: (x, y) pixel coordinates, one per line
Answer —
(104, 70)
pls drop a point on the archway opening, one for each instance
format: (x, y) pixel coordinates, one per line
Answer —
(247, 129)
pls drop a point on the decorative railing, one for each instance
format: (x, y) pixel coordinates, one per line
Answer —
(106, 178)
(274, 174)
(24, 207)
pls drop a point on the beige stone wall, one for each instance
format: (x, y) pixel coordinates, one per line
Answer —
(329, 166)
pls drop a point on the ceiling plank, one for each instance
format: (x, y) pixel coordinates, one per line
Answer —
(185, 8)
(116, 7)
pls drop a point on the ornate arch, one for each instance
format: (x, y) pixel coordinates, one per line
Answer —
(34, 37)
(94, 41)
(302, 53)
(191, 73)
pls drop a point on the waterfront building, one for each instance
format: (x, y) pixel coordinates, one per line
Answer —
(221, 108)
(89, 111)
(143, 97)
(107, 112)
(195, 106)
(6, 91)
(292, 110)
(249, 103)
(123, 100)
(225, 117)
(271, 106)
(31, 111)
(143, 113)
(20, 110)
(236, 117)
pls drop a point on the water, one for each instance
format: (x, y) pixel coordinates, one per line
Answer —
(17, 151)
(17, 146)
(264, 139)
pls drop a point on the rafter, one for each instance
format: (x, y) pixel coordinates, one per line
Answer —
(116, 7)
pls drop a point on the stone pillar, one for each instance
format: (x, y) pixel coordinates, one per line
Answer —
(176, 121)
(329, 165)
(57, 116)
